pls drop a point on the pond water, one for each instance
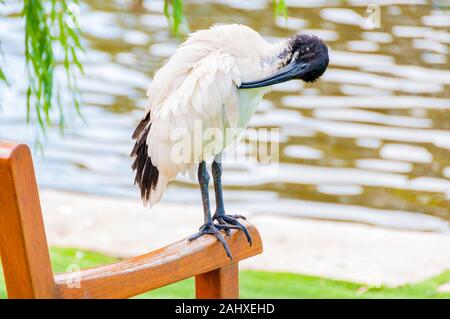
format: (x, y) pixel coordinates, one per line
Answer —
(369, 142)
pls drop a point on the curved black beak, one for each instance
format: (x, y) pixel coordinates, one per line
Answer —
(289, 72)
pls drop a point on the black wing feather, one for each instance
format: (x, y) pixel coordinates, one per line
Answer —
(146, 173)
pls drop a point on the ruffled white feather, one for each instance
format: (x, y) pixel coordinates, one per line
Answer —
(200, 83)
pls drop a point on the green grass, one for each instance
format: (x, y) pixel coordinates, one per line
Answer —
(261, 284)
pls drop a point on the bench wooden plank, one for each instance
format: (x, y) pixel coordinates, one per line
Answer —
(218, 284)
(167, 265)
(23, 244)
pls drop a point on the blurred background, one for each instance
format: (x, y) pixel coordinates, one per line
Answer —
(368, 143)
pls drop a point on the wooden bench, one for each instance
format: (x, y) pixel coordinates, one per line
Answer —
(26, 261)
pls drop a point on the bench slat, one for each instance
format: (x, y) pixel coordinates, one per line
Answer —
(164, 266)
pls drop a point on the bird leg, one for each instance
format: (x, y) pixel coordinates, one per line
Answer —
(208, 227)
(225, 222)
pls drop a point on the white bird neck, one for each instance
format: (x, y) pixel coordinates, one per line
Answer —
(277, 55)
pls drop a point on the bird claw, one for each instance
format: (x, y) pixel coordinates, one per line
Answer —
(212, 229)
(228, 222)
(237, 217)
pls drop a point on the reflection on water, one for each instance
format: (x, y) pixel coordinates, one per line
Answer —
(369, 143)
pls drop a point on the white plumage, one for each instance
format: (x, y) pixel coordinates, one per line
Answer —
(200, 83)
(216, 79)
(209, 87)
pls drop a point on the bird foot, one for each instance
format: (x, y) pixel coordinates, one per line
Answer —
(228, 222)
(212, 229)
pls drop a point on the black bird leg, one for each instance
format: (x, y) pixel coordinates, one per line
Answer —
(208, 227)
(225, 222)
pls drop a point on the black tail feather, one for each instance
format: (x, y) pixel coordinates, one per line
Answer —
(146, 173)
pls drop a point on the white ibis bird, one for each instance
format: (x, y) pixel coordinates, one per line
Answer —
(216, 77)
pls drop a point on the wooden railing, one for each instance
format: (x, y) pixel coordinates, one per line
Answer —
(26, 262)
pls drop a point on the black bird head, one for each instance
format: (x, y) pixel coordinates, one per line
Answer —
(307, 60)
(309, 54)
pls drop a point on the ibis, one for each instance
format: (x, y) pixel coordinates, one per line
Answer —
(216, 78)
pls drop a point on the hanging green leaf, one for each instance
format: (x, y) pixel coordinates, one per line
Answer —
(174, 12)
(280, 8)
(2, 74)
(3, 77)
(48, 27)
